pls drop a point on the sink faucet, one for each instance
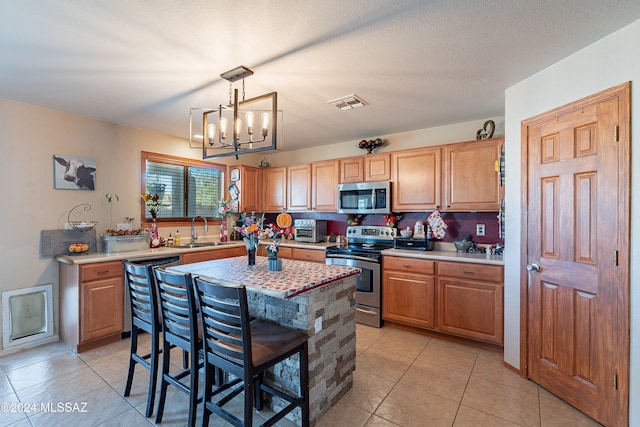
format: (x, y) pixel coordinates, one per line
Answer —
(193, 223)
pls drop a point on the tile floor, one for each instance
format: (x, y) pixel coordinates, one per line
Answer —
(402, 379)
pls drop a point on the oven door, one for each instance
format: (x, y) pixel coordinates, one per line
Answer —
(368, 287)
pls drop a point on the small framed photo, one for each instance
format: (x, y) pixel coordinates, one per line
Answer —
(74, 173)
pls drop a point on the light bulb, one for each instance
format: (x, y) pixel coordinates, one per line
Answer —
(211, 133)
(238, 127)
(265, 124)
(249, 116)
(223, 128)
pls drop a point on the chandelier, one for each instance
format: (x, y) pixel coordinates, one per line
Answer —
(239, 127)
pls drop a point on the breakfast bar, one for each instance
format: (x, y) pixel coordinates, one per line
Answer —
(316, 298)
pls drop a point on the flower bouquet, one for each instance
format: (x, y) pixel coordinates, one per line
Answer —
(392, 219)
(153, 202)
(249, 231)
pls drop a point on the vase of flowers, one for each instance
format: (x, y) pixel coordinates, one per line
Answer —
(152, 202)
(274, 263)
(249, 231)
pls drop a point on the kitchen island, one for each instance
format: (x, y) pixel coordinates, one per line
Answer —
(316, 298)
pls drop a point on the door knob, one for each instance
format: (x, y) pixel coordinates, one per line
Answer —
(533, 267)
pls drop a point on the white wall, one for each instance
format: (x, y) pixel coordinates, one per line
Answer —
(613, 60)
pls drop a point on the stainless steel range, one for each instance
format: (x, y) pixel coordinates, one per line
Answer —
(365, 242)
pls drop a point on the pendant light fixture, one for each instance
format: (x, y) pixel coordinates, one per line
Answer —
(231, 130)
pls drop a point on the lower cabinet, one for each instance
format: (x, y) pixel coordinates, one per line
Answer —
(408, 294)
(456, 298)
(299, 254)
(91, 304)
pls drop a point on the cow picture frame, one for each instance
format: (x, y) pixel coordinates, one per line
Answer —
(74, 173)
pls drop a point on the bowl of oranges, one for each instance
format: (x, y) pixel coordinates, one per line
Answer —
(76, 248)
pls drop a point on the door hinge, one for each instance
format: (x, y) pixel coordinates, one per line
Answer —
(615, 258)
(615, 381)
(615, 133)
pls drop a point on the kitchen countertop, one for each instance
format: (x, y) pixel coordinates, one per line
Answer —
(173, 251)
(295, 277)
(439, 255)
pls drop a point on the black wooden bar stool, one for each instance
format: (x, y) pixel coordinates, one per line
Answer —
(144, 317)
(246, 349)
(179, 328)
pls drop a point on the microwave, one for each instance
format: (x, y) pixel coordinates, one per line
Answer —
(365, 198)
(309, 230)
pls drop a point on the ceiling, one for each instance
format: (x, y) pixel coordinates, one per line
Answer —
(418, 63)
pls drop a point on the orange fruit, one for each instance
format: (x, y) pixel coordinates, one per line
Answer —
(283, 220)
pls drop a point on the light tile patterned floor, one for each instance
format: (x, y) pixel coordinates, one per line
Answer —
(402, 379)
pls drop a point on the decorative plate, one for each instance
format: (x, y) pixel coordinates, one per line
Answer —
(235, 174)
(233, 192)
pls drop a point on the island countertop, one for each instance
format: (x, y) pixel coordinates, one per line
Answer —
(295, 278)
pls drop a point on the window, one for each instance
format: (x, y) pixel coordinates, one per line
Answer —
(185, 187)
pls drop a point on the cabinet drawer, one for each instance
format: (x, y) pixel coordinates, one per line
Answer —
(490, 273)
(412, 265)
(101, 270)
(312, 255)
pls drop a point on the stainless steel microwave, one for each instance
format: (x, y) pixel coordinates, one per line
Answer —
(365, 198)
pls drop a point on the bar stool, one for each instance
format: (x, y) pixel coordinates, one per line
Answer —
(246, 349)
(179, 328)
(144, 317)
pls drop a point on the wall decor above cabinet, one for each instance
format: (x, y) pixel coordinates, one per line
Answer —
(370, 145)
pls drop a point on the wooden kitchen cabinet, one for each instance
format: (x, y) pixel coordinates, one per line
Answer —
(250, 187)
(299, 188)
(209, 254)
(324, 185)
(470, 301)
(470, 178)
(408, 291)
(91, 304)
(274, 189)
(416, 176)
(377, 167)
(352, 170)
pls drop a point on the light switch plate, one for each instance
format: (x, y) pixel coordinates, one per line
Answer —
(479, 229)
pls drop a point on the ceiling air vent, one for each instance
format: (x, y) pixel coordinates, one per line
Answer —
(348, 102)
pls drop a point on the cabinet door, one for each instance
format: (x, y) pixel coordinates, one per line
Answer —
(471, 309)
(101, 308)
(408, 298)
(352, 170)
(416, 180)
(470, 178)
(324, 185)
(250, 189)
(274, 189)
(299, 188)
(377, 167)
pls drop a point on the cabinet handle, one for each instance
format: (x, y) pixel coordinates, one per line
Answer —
(100, 273)
(406, 266)
(468, 272)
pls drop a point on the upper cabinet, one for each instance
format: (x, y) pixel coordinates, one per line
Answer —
(324, 185)
(470, 177)
(299, 188)
(416, 179)
(352, 170)
(377, 167)
(248, 181)
(274, 187)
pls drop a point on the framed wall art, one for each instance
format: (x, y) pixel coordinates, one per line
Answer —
(74, 173)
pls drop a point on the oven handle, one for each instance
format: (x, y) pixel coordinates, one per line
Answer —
(355, 257)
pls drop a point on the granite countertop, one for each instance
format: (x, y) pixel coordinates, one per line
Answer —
(295, 277)
(443, 255)
(173, 251)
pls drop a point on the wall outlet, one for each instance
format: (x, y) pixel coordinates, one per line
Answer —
(479, 229)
